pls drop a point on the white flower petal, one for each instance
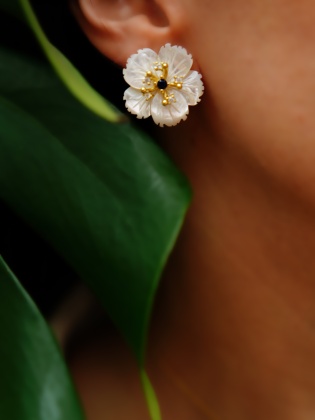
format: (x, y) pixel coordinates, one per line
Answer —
(178, 60)
(192, 88)
(171, 114)
(136, 103)
(138, 65)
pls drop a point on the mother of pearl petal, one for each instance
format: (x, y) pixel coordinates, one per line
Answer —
(179, 61)
(171, 114)
(136, 103)
(192, 88)
(138, 65)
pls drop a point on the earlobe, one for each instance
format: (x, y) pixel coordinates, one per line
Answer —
(120, 28)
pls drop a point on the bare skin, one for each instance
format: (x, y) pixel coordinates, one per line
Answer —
(233, 335)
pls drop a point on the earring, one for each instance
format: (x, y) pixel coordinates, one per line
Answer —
(162, 85)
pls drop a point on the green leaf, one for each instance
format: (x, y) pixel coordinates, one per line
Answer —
(34, 382)
(102, 194)
(71, 77)
(153, 405)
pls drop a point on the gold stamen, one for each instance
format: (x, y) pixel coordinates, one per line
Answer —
(152, 83)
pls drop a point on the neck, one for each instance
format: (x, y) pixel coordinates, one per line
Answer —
(233, 329)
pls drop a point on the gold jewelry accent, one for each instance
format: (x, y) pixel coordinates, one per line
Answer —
(153, 82)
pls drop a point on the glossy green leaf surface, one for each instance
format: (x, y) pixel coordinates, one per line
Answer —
(34, 382)
(102, 194)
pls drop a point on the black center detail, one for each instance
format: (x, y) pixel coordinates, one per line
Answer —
(162, 84)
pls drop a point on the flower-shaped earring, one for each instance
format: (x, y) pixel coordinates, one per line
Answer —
(162, 85)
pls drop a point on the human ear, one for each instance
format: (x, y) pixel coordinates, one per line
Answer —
(118, 28)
